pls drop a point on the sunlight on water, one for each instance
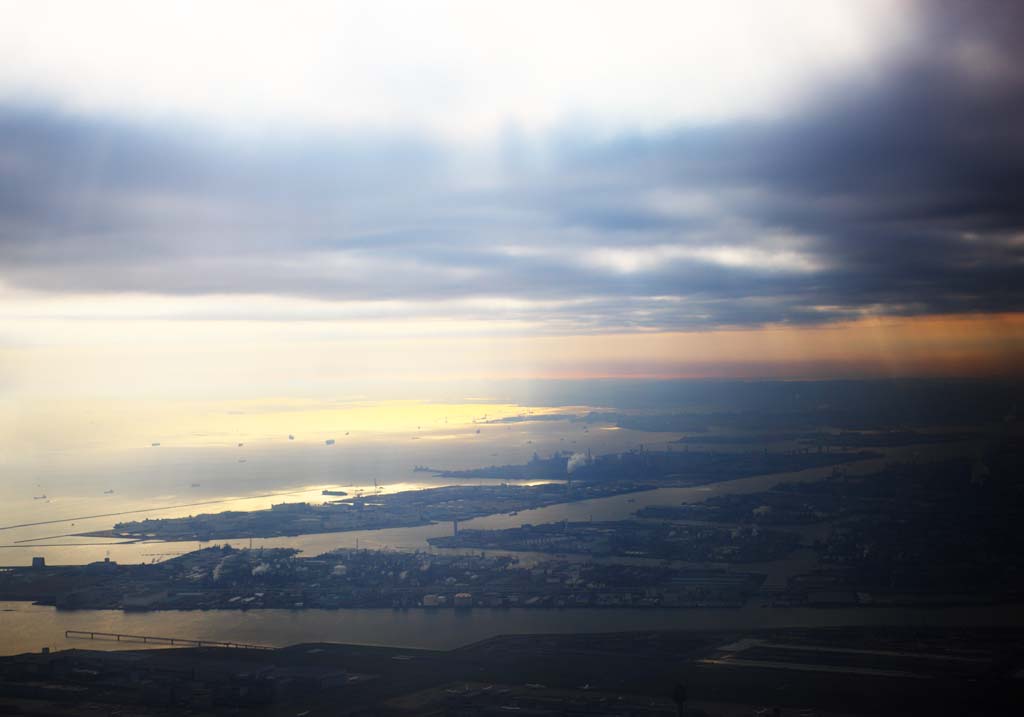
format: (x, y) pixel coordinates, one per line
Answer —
(99, 463)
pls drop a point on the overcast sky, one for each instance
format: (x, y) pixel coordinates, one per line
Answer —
(216, 175)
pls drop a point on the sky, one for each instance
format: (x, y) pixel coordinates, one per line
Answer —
(246, 199)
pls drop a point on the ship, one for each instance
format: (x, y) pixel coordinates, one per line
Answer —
(333, 492)
(109, 491)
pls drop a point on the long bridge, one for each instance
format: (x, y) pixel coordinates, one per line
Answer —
(157, 640)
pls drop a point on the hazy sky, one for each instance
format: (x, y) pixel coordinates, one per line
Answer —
(262, 199)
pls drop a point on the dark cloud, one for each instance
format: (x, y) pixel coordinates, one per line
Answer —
(899, 192)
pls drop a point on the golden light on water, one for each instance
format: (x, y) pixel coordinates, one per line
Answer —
(99, 426)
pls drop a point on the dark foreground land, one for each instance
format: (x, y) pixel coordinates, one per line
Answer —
(786, 672)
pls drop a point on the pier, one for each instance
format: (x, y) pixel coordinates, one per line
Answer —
(156, 640)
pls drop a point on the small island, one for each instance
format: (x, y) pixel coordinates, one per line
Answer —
(394, 510)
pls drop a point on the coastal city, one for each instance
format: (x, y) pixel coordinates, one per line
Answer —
(716, 552)
(453, 358)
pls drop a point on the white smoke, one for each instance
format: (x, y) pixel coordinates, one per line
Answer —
(575, 461)
(218, 570)
(261, 569)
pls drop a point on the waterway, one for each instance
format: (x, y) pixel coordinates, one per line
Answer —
(26, 628)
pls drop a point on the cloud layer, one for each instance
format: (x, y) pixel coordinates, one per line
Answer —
(894, 191)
